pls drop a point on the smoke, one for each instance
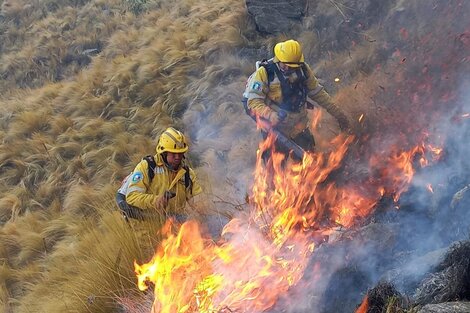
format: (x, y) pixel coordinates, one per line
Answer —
(416, 94)
(224, 141)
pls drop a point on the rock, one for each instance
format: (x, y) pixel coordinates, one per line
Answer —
(380, 297)
(450, 279)
(449, 307)
(412, 270)
(275, 16)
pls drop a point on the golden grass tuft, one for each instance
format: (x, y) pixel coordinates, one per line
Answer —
(66, 151)
(80, 199)
(17, 196)
(22, 234)
(5, 295)
(100, 268)
(60, 124)
(9, 204)
(28, 122)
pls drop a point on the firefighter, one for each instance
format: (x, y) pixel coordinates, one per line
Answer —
(162, 184)
(277, 92)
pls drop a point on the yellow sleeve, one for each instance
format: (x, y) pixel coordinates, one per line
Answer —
(196, 189)
(137, 192)
(320, 96)
(256, 91)
(315, 90)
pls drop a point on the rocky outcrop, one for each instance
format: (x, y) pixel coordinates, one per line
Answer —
(276, 16)
(449, 307)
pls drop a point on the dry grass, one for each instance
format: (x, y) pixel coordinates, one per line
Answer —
(99, 267)
(84, 126)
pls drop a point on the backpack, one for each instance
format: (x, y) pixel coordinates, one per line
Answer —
(297, 92)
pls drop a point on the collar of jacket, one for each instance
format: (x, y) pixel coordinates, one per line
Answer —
(159, 161)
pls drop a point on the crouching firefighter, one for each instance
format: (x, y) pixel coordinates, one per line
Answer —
(277, 92)
(160, 185)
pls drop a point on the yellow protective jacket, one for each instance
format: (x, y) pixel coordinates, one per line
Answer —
(263, 97)
(143, 194)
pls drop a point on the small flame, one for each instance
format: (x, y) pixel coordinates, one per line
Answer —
(396, 170)
(436, 151)
(423, 162)
(337, 80)
(315, 118)
(364, 307)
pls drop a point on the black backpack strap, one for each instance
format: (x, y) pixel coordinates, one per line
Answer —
(152, 165)
(270, 67)
(304, 72)
(295, 94)
(188, 183)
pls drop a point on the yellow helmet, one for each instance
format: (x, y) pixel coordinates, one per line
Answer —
(172, 140)
(289, 52)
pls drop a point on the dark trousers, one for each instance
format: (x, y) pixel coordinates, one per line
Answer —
(128, 211)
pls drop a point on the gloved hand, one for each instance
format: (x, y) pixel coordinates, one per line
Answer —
(282, 114)
(161, 202)
(338, 114)
(344, 124)
(169, 194)
(273, 118)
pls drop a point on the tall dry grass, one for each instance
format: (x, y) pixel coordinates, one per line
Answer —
(91, 267)
(84, 124)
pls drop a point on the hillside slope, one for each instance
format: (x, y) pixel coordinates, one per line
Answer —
(87, 86)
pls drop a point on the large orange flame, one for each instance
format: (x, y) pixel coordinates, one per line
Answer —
(265, 252)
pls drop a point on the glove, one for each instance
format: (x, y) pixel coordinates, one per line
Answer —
(282, 114)
(161, 202)
(169, 194)
(273, 118)
(343, 123)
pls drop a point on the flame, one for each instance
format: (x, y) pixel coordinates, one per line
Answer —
(436, 151)
(266, 251)
(396, 171)
(315, 117)
(364, 307)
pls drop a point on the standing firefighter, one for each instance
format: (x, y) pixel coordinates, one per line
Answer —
(277, 92)
(160, 185)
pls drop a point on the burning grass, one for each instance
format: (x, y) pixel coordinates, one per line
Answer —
(384, 298)
(264, 253)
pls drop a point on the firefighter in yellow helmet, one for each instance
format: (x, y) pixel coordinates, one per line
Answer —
(172, 185)
(277, 91)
